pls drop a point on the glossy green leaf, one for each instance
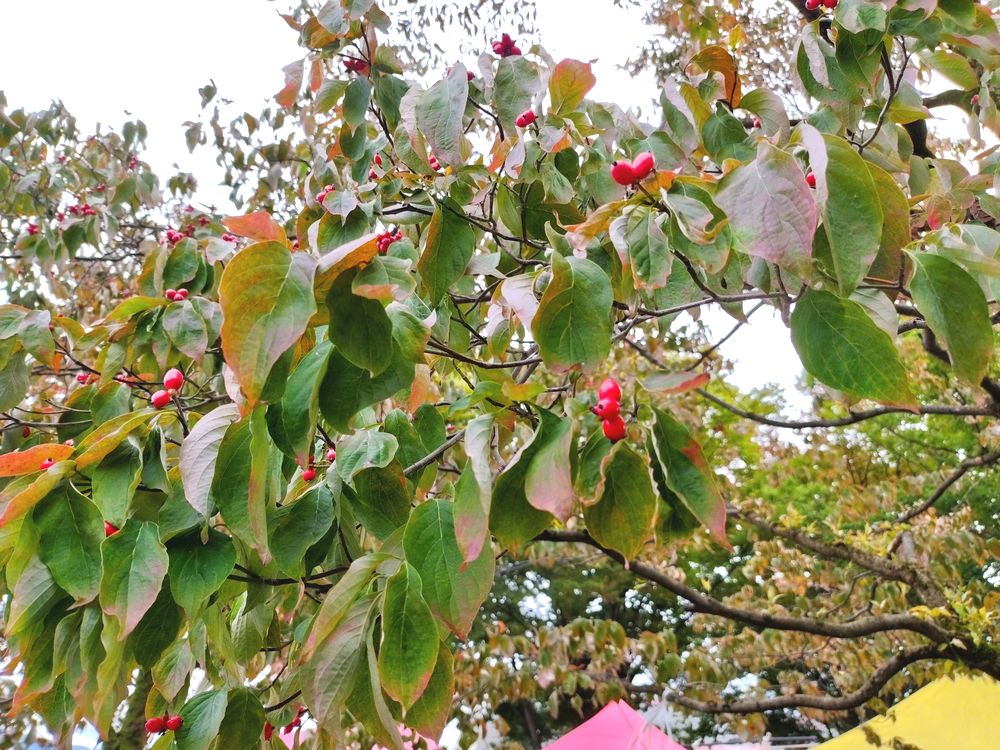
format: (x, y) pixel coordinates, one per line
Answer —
(135, 563)
(295, 527)
(198, 570)
(360, 328)
(548, 484)
(380, 499)
(431, 711)
(186, 329)
(365, 449)
(573, 322)
(955, 308)
(70, 531)
(841, 347)
(409, 648)
(622, 519)
(439, 115)
(292, 421)
(517, 81)
(453, 590)
(203, 716)
(243, 721)
(267, 300)
(236, 488)
(448, 244)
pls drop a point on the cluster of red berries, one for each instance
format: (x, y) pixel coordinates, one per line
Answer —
(321, 195)
(82, 209)
(506, 47)
(525, 118)
(173, 236)
(110, 529)
(172, 382)
(161, 724)
(387, 238)
(608, 408)
(435, 164)
(297, 721)
(85, 378)
(227, 237)
(133, 162)
(814, 4)
(354, 65)
(630, 172)
(376, 162)
(176, 295)
(32, 229)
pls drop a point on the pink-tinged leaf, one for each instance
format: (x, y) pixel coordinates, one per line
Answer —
(29, 461)
(294, 72)
(266, 294)
(257, 226)
(772, 211)
(330, 266)
(409, 648)
(569, 84)
(675, 382)
(688, 475)
(622, 519)
(518, 292)
(199, 452)
(135, 564)
(548, 484)
(473, 492)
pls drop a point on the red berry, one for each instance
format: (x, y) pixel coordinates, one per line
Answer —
(331, 454)
(26, 432)
(378, 160)
(610, 389)
(811, 179)
(170, 294)
(155, 725)
(643, 165)
(83, 378)
(614, 429)
(173, 380)
(470, 75)
(230, 237)
(607, 408)
(525, 118)
(498, 48)
(110, 529)
(32, 229)
(308, 474)
(268, 730)
(974, 100)
(174, 723)
(372, 174)
(160, 399)
(506, 40)
(812, 4)
(623, 173)
(757, 123)
(47, 463)
(181, 294)
(830, 4)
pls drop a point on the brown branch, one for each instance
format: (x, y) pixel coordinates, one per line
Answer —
(970, 463)
(703, 603)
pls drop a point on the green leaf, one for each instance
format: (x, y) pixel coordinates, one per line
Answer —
(135, 563)
(171, 671)
(642, 245)
(359, 327)
(238, 486)
(198, 570)
(770, 109)
(157, 629)
(243, 721)
(199, 453)
(568, 85)
(202, 716)
(623, 518)
(448, 244)
(548, 484)
(70, 531)
(842, 347)
(895, 226)
(439, 115)
(771, 209)
(356, 100)
(688, 475)
(474, 490)
(955, 308)
(34, 594)
(381, 500)
(850, 207)
(114, 482)
(431, 711)
(409, 648)
(267, 300)
(453, 590)
(573, 323)
(292, 421)
(517, 81)
(297, 526)
(17, 499)
(15, 377)
(363, 450)
(186, 329)
(108, 436)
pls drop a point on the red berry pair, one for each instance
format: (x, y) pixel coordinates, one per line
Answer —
(230, 238)
(608, 408)
(327, 189)
(176, 295)
(356, 66)
(525, 118)
(435, 164)
(386, 239)
(814, 4)
(173, 236)
(629, 173)
(506, 47)
(161, 724)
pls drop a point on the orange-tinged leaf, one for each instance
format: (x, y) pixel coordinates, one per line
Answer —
(27, 498)
(580, 235)
(675, 382)
(29, 461)
(293, 82)
(716, 58)
(330, 266)
(569, 84)
(257, 226)
(315, 75)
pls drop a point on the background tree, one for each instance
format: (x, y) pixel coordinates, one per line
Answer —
(285, 470)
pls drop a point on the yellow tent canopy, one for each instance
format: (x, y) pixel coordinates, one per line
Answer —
(952, 713)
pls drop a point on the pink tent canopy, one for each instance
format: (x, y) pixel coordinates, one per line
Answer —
(615, 727)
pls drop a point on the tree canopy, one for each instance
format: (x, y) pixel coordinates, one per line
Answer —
(431, 429)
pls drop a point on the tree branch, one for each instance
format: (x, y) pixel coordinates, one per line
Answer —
(970, 463)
